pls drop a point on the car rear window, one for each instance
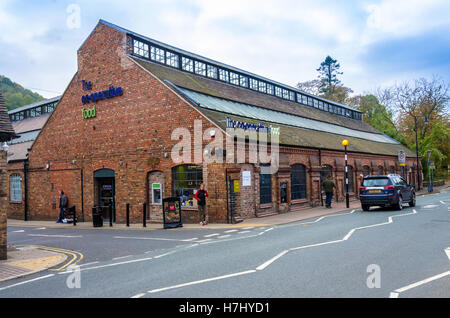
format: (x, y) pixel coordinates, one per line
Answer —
(376, 182)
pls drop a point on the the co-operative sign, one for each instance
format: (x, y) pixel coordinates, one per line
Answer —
(110, 93)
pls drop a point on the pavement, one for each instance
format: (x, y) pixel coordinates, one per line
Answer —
(30, 259)
(26, 260)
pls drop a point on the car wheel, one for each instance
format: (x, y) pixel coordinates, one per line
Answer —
(365, 207)
(412, 203)
(400, 203)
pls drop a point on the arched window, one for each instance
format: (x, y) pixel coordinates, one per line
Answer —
(15, 188)
(350, 179)
(185, 180)
(366, 171)
(265, 188)
(298, 182)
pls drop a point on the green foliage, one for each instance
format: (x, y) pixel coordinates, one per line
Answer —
(15, 95)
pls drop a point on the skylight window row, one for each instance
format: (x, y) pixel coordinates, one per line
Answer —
(191, 65)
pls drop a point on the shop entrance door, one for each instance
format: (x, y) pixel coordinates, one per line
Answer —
(105, 197)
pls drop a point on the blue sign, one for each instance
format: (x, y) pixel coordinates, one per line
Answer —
(110, 93)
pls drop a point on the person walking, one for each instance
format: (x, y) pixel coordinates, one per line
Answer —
(63, 202)
(328, 187)
(201, 196)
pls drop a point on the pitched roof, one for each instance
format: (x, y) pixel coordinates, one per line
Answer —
(6, 130)
(300, 126)
(243, 95)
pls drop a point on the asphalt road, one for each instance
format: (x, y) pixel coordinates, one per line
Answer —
(380, 253)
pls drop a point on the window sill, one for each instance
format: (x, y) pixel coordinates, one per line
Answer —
(265, 206)
(15, 202)
(298, 201)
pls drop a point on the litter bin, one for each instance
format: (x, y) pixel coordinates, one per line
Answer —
(97, 217)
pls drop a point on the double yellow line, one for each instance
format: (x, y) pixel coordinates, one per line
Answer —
(74, 257)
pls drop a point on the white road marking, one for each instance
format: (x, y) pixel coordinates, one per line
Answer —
(442, 202)
(189, 240)
(201, 281)
(243, 232)
(41, 228)
(327, 216)
(422, 282)
(88, 264)
(263, 266)
(162, 255)
(230, 231)
(393, 295)
(19, 231)
(202, 241)
(151, 238)
(28, 281)
(211, 235)
(224, 236)
(447, 251)
(431, 206)
(121, 257)
(61, 236)
(138, 295)
(248, 228)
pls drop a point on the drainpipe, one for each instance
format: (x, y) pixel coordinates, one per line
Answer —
(25, 182)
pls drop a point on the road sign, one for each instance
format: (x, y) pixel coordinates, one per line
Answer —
(402, 158)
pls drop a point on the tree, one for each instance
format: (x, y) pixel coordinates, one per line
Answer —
(328, 72)
(412, 102)
(15, 95)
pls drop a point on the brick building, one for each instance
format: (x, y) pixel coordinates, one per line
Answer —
(6, 134)
(111, 138)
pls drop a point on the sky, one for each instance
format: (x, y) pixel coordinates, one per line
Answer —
(378, 43)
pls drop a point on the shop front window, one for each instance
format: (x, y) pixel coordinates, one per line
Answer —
(186, 180)
(298, 182)
(15, 188)
(265, 188)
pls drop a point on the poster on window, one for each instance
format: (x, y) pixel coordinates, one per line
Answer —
(246, 179)
(172, 213)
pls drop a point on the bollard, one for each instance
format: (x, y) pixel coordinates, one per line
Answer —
(128, 215)
(74, 216)
(144, 210)
(110, 216)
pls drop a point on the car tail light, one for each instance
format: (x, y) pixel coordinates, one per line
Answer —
(362, 188)
(391, 187)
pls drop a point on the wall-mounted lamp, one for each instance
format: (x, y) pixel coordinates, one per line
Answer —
(5, 146)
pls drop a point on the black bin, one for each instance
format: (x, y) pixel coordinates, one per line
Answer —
(97, 217)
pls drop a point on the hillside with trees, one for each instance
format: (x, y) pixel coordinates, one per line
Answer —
(15, 95)
(397, 111)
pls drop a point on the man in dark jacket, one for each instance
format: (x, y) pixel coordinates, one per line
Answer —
(201, 196)
(63, 202)
(328, 187)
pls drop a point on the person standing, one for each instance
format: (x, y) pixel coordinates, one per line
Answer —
(63, 202)
(328, 187)
(201, 196)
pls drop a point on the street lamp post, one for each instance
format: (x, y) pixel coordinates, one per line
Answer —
(430, 182)
(347, 200)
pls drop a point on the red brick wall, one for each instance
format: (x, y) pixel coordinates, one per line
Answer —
(128, 133)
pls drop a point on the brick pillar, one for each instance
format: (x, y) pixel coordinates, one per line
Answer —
(3, 203)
